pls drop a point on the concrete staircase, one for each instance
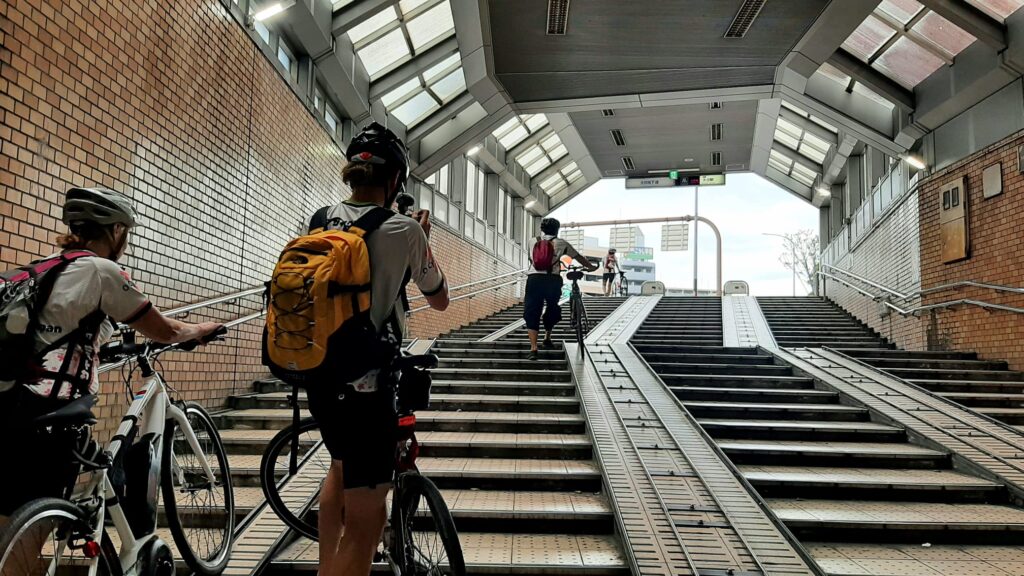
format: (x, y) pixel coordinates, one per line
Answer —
(987, 386)
(846, 485)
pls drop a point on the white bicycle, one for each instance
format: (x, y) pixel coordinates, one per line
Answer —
(160, 443)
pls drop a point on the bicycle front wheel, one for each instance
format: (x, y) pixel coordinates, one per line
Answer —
(292, 472)
(432, 545)
(200, 513)
(49, 537)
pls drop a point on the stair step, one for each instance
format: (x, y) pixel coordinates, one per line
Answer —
(737, 381)
(770, 395)
(502, 375)
(955, 374)
(729, 359)
(464, 421)
(519, 388)
(870, 483)
(933, 363)
(913, 559)
(867, 454)
(775, 411)
(732, 369)
(803, 429)
(893, 353)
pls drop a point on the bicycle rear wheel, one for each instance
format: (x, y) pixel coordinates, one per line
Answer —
(432, 545)
(48, 537)
(291, 473)
(577, 317)
(200, 514)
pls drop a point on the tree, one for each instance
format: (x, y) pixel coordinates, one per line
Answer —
(800, 256)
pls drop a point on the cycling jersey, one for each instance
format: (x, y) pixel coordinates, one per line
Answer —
(85, 286)
(562, 248)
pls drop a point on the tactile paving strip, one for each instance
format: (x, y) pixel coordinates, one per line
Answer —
(744, 325)
(986, 443)
(674, 519)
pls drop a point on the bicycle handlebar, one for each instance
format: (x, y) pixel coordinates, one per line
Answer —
(115, 350)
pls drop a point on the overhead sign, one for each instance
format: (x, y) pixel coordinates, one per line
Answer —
(640, 256)
(675, 178)
(651, 182)
(675, 237)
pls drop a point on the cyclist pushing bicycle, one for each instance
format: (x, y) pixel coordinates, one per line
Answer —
(544, 282)
(66, 302)
(350, 376)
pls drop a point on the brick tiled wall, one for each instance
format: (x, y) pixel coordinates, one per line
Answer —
(996, 257)
(172, 104)
(890, 255)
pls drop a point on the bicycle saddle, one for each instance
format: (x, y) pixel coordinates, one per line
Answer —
(77, 411)
(574, 275)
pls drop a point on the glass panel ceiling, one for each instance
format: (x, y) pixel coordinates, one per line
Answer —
(908, 42)
(399, 33)
(517, 129)
(416, 109)
(998, 9)
(339, 4)
(799, 140)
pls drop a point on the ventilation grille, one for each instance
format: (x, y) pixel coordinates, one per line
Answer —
(627, 163)
(614, 173)
(558, 17)
(608, 112)
(617, 138)
(715, 105)
(716, 131)
(744, 18)
(716, 158)
(735, 167)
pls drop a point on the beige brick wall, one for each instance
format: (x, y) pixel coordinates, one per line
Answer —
(172, 104)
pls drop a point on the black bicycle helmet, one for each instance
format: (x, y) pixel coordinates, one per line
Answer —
(550, 226)
(99, 205)
(375, 144)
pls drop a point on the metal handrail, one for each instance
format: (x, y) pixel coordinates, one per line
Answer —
(918, 309)
(469, 294)
(475, 282)
(216, 300)
(932, 290)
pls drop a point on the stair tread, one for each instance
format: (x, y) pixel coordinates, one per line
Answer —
(431, 437)
(490, 551)
(829, 447)
(863, 559)
(768, 391)
(933, 513)
(763, 406)
(801, 424)
(423, 415)
(872, 476)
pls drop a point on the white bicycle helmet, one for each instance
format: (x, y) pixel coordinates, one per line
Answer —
(99, 205)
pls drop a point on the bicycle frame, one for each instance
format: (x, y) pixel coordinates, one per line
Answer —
(150, 410)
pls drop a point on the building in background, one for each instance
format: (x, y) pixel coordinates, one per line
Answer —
(638, 263)
(626, 238)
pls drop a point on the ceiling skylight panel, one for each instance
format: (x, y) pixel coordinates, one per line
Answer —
(558, 152)
(536, 121)
(812, 152)
(803, 174)
(339, 4)
(901, 10)
(550, 142)
(408, 6)
(780, 161)
(373, 24)
(401, 92)
(431, 25)
(530, 155)
(517, 135)
(998, 9)
(943, 33)
(385, 52)
(908, 63)
(787, 140)
(551, 181)
(819, 143)
(569, 168)
(506, 128)
(538, 165)
(441, 67)
(868, 38)
(416, 109)
(450, 86)
(789, 128)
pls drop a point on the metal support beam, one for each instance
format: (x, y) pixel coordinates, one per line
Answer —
(413, 68)
(972, 20)
(873, 79)
(356, 13)
(442, 115)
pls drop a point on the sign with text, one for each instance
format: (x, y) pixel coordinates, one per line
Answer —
(676, 178)
(651, 182)
(675, 237)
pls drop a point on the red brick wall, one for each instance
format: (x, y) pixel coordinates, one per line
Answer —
(172, 104)
(996, 257)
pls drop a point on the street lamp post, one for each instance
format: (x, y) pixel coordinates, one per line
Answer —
(792, 256)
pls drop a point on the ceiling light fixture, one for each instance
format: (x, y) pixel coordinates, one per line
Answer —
(473, 151)
(915, 161)
(823, 191)
(269, 11)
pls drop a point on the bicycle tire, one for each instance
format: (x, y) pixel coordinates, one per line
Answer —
(278, 451)
(577, 315)
(415, 487)
(50, 509)
(210, 562)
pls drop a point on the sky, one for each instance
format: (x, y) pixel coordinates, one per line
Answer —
(746, 208)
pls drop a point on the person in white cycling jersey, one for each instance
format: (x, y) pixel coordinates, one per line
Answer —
(93, 286)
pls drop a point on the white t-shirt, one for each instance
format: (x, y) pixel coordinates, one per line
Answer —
(85, 286)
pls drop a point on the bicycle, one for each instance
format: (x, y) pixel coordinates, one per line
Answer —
(55, 536)
(296, 462)
(621, 287)
(577, 311)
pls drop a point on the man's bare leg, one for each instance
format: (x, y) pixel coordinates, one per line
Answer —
(331, 521)
(366, 514)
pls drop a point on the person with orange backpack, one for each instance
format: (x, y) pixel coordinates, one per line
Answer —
(335, 327)
(544, 282)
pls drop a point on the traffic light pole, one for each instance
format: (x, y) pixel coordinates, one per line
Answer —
(695, 219)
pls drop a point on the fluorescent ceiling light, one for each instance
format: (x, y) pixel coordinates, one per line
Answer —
(915, 161)
(823, 191)
(530, 204)
(473, 150)
(269, 11)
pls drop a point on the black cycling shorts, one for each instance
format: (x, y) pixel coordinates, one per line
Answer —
(361, 430)
(609, 276)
